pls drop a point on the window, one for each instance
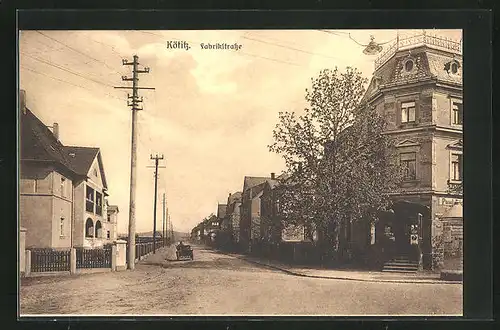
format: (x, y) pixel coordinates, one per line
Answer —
(61, 227)
(89, 228)
(89, 206)
(456, 113)
(98, 200)
(408, 165)
(454, 68)
(408, 112)
(109, 217)
(108, 235)
(95, 172)
(63, 187)
(456, 167)
(409, 65)
(98, 229)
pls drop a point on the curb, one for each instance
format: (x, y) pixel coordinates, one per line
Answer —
(289, 272)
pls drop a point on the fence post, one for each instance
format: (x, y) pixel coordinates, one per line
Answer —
(113, 257)
(27, 269)
(72, 261)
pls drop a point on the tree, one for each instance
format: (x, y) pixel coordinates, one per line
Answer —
(339, 165)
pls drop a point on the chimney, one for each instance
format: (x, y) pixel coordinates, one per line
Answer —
(273, 176)
(22, 101)
(55, 130)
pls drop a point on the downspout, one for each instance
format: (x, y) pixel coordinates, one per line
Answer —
(72, 214)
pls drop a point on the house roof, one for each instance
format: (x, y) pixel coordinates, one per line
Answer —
(82, 158)
(234, 197)
(38, 143)
(113, 208)
(251, 181)
(428, 62)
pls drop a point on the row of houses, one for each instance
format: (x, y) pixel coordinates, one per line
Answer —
(417, 87)
(63, 189)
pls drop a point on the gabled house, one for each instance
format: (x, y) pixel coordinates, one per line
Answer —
(89, 194)
(273, 230)
(250, 231)
(233, 215)
(221, 216)
(60, 187)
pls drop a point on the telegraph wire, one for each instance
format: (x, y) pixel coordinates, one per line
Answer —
(65, 69)
(288, 47)
(68, 82)
(76, 50)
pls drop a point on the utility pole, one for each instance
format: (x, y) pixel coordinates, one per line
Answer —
(166, 227)
(171, 229)
(156, 159)
(163, 222)
(134, 104)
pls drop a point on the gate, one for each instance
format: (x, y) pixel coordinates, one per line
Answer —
(49, 260)
(93, 258)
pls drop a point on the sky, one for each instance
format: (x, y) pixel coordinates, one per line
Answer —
(211, 114)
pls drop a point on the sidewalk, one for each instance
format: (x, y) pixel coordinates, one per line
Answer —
(350, 275)
(162, 254)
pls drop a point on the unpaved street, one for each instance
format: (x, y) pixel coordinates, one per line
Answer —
(223, 285)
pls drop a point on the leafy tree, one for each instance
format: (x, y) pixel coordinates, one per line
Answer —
(339, 166)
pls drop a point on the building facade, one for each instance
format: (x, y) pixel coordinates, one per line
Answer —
(417, 87)
(233, 215)
(111, 224)
(60, 187)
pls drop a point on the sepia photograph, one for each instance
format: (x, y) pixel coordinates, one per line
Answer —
(240, 172)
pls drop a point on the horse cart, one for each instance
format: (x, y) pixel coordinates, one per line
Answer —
(184, 252)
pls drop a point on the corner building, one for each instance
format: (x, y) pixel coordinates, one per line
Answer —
(417, 86)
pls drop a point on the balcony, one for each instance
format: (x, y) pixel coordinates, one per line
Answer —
(419, 40)
(98, 209)
(89, 206)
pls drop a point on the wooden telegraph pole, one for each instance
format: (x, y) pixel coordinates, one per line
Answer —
(163, 223)
(156, 159)
(134, 104)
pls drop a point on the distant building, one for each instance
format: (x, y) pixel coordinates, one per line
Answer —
(221, 216)
(272, 228)
(62, 189)
(111, 223)
(250, 230)
(233, 215)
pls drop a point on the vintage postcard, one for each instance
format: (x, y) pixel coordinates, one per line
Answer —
(240, 172)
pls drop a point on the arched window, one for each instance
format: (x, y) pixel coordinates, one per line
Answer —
(98, 229)
(89, 228)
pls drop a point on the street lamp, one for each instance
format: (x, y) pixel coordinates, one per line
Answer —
(372, 48)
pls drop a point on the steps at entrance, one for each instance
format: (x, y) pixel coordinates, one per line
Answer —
(401, 264)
